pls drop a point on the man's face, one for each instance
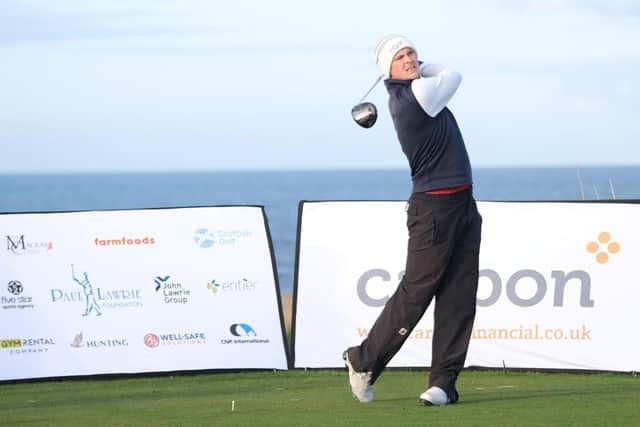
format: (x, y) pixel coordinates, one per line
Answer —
(405, 65)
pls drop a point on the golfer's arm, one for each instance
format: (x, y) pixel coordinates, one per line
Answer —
(436, 88)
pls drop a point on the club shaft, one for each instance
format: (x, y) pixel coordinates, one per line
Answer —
(371, 88)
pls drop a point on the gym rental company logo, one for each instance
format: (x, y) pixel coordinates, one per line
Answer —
(19, 245)
(19, 346)
(124, 241)
(79, 341)
(17, 299)
(243, 333)
(208, 238)
(152, 340)
(172, 292)
(240, 286)
(522, 288)
(95, 299)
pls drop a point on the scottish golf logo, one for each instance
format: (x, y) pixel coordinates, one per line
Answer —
(95, 298)
(204, 238)
(173, 292)
(207, 238)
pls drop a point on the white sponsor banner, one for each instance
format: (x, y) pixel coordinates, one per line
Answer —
(137, 291)
(558, 284)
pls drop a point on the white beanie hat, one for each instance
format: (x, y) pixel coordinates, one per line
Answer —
(387, 48)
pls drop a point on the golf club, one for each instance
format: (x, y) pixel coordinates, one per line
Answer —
(365, 113)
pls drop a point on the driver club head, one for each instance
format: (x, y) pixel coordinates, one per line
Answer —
(365, 114)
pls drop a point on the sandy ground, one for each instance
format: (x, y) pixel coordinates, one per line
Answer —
(287, 308)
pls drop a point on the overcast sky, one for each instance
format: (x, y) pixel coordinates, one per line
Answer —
(208, 85)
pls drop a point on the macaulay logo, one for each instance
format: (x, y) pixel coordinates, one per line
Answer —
(207, 238)
(79, 341)
(152, 340)
(19, 245)
(17, 300)
(243, 333)
(19, 346)
(95, 299)
(172, 292)
(243, 285)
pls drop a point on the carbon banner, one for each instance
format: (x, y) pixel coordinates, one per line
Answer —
(557, 285)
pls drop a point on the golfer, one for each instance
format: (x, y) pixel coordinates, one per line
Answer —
(444, 229)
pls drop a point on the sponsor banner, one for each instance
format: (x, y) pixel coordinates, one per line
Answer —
(85, 293)
(556, 290)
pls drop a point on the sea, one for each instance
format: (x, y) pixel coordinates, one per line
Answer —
(281, 191)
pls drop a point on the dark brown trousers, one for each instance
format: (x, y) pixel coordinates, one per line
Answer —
(442, 262)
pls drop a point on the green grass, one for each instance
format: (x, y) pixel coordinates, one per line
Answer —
(322, 398)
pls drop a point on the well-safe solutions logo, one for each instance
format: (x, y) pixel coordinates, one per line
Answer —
(152, 340)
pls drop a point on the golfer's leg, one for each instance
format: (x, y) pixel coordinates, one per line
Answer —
(455, 311)
(390, 330)
(423, 273)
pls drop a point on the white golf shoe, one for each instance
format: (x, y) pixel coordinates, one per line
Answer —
(434, 396)
(360, 381)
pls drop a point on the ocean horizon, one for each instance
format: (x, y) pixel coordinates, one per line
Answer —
(280, 191)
